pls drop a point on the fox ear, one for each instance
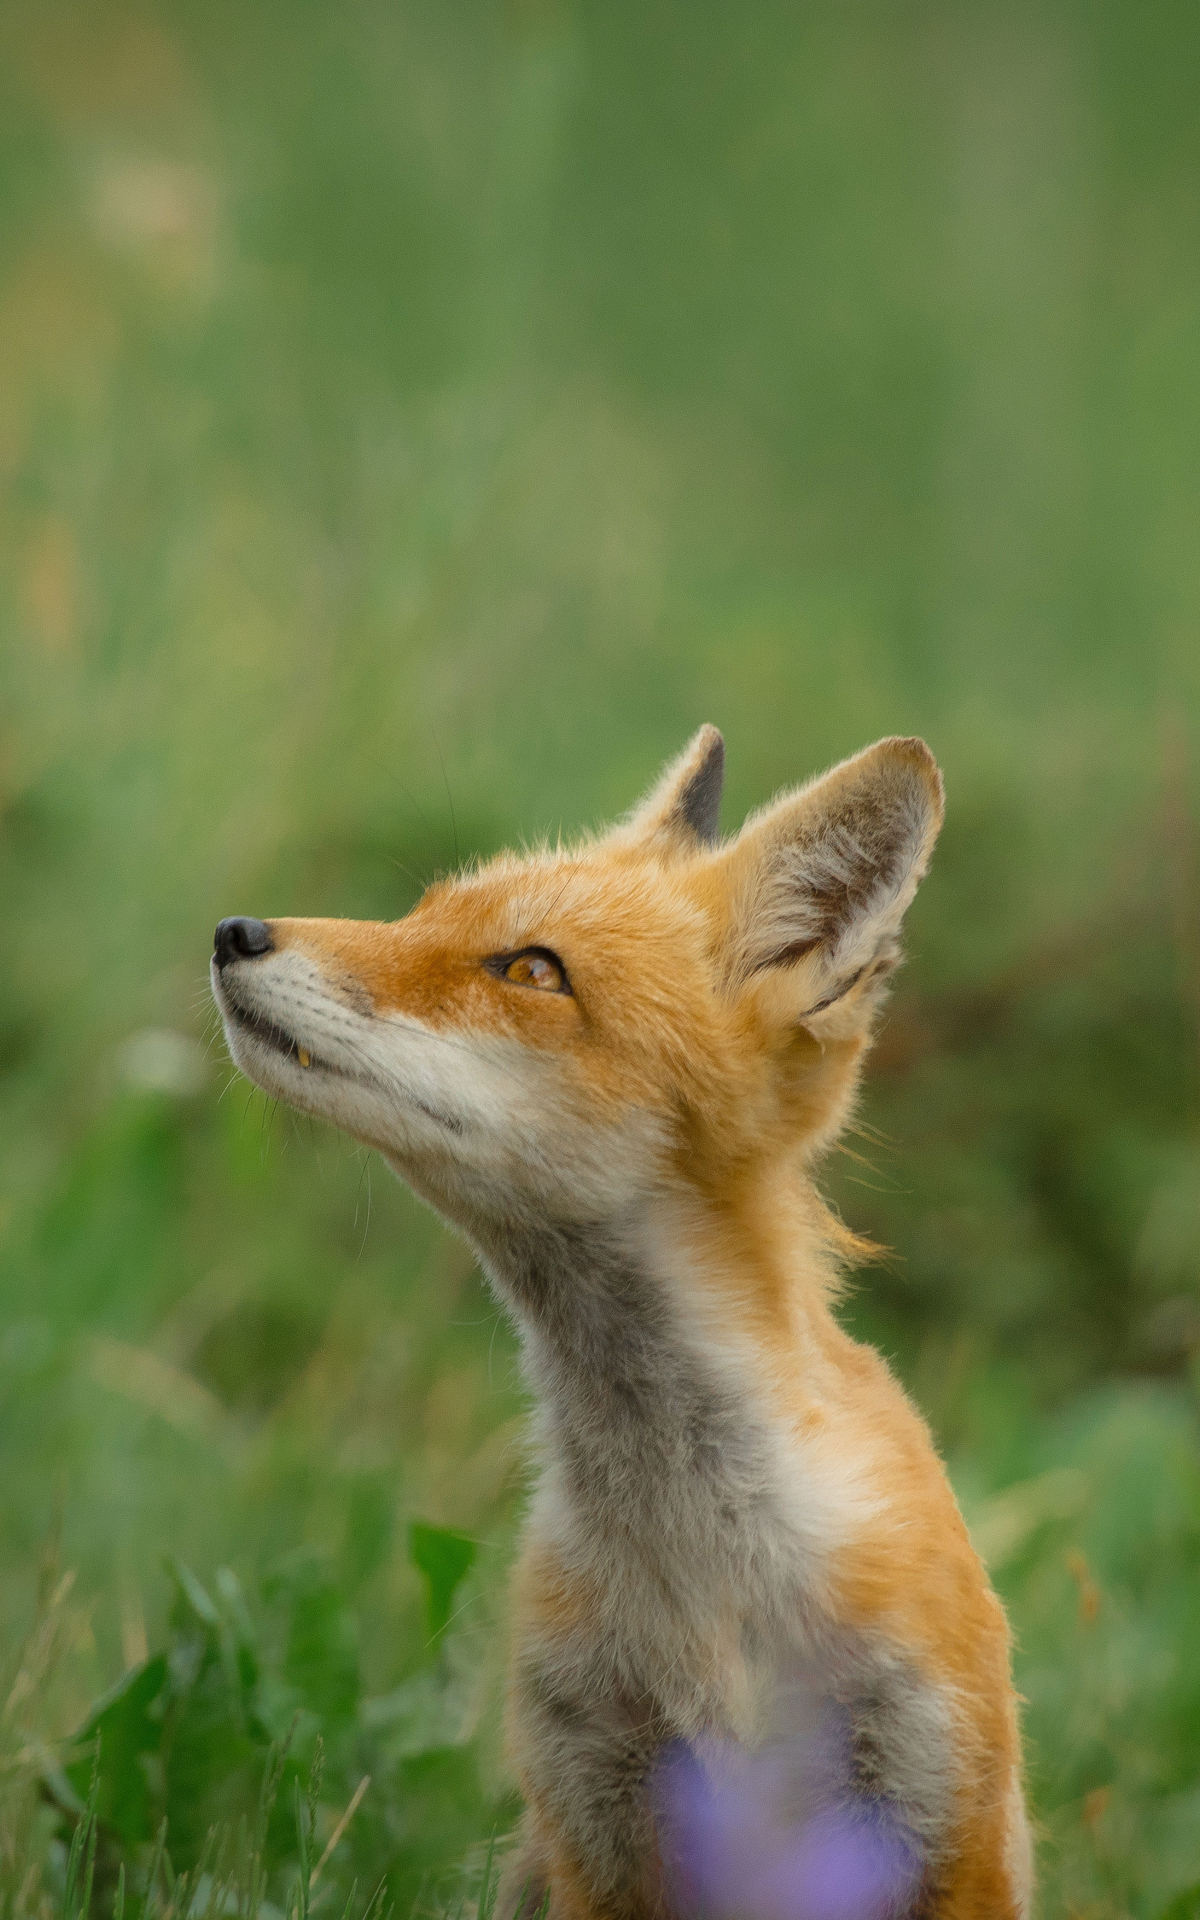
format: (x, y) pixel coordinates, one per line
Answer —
(821, 880)
(682, 811)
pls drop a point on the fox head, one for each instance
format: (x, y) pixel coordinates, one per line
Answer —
(555, 1034)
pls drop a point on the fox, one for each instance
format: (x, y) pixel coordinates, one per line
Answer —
(756, 1666)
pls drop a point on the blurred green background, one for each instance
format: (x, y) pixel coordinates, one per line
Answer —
(413, 422)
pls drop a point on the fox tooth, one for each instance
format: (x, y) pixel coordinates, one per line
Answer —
(304, 1056)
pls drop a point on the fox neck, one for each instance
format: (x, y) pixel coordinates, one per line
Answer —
(645, 1427)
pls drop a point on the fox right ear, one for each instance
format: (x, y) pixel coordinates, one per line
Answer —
(682, 811)
(821, 880)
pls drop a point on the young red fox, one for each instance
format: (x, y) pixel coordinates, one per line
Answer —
(757, 1667)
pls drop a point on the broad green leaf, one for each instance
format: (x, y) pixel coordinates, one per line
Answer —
(129, 1721)
(444, 1558)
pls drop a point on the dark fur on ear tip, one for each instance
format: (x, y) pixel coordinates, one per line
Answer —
(699, 803)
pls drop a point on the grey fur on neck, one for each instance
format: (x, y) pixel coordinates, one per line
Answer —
(646, 1441)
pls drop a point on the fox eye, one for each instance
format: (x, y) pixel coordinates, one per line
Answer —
(533, 967)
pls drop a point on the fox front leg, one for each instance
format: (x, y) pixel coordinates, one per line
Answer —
(585, 1760)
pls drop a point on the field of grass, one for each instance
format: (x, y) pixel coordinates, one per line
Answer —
(413, 422)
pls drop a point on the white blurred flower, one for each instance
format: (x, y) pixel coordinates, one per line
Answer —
(158, 1060)
(135, 203)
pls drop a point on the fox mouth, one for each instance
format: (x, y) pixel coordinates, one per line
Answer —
(269, 1033)
(280, 1041)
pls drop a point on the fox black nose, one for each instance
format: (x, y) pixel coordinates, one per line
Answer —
(240, 939)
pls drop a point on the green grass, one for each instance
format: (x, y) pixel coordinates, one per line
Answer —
(413, 422)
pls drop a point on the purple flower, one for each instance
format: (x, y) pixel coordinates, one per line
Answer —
(776, 1835)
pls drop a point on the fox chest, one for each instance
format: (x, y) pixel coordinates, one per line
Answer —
(675, 1580)
(670, 1631)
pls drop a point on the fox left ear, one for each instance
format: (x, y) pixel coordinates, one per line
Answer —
(682, 811)
(820, 881)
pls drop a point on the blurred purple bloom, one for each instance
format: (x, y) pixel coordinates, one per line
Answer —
(754, 1837)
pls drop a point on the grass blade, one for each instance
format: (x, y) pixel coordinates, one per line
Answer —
(489, 1886)
(156, 1860)
(339, 1830)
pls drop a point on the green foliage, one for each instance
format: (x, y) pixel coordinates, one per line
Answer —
(230, 1873)
(1185, 1906)
(414, 421)
(245, 1755)
(445, 1559)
